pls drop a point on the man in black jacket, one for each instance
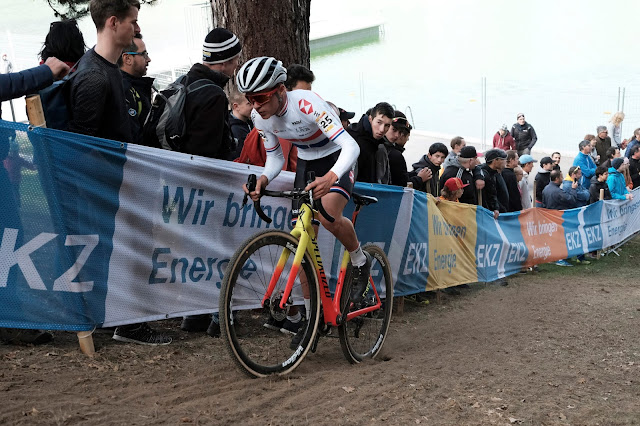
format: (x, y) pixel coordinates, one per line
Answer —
(431, 162)
(397, 136)
(495, 160)
(524, 134)
(373, 161)
(137, 88)
(464, 167)
(208, 132)
(634, 165)
(511, 181)
(542, 179)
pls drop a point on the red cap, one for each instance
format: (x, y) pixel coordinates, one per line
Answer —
(454, 183)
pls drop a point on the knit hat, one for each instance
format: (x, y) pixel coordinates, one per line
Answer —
(468, 152)
(616, 163)
(454, 183)
(504, 127)
(219, 46)
(494, 154)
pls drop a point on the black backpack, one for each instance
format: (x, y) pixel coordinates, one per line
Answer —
(55, 101)
(165, 126)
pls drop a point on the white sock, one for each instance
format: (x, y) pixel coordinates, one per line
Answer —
(357, 257)
(296, 318)
(307, 307)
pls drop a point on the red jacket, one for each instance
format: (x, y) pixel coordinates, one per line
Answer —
(505, 142)
(253, 152)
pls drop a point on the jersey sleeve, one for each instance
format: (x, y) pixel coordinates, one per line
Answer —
(329, 123)
(275, 157)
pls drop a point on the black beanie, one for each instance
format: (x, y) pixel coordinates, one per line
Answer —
(219, 46)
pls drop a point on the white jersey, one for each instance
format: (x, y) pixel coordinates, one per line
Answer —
(310, 124)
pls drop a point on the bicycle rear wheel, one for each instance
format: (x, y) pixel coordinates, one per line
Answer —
(362, 337)
(256, 349)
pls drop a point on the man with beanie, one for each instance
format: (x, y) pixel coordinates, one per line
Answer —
(495, 163)
(208, 132)
(464, 168)
(616, 182)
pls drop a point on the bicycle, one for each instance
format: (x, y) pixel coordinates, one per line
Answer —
(263, 280)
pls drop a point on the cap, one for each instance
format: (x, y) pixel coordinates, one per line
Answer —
(454, 183)
(219, 46)
(346, 115)
(526, 158)
(401, 123)
(504, 127)
(617, 162)
(546, 160)
(494, 154)
(468, 152)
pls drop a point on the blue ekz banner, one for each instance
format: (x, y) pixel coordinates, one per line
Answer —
(99, 233)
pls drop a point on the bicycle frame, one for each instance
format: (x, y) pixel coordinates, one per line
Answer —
(305, 234)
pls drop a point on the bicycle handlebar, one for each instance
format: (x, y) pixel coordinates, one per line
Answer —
(295, 194)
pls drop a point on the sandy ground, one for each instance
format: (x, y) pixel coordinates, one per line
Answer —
(558, 347)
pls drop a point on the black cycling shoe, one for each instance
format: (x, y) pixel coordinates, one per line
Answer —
(360, 280)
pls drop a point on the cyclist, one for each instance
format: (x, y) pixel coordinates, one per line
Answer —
(324, 147)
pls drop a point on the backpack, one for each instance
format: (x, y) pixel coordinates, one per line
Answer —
(165, 126)
(55, 101)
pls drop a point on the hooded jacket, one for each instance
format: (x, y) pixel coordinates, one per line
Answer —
(542, 179)
(489, 192)
(208, 132)
(594, 190)
(432, 186)
(505, 142)
(617, 184)
(373, 161)
(524, 135)
(582, 193)
(397, 164)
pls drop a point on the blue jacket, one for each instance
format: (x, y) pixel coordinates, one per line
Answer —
(18, 84)
(617, 184)
(633, 143)
(582, 193)
(588, 167)
(555, 198)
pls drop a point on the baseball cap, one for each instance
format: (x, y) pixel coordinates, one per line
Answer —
(346, 115)
(468, 152)
(526, 158)
(546, 160)
(401, 123)
(454, 183)
(494, 154)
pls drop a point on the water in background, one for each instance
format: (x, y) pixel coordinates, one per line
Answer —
(561, 63)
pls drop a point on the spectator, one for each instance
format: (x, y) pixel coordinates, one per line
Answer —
(634, 166)
(615, 130)
(133, 63)
(64, 41)
(514, 202)
(612, 152)
(582, 193)
(585, 161)
(239, 119)
(542, 179)
(524, 135)
(465, 169)
(368, 133)
(426, 172)
(594, 153)
(397, 136)
(208, 132)
(299, 77)
(495, 160)
(18, 84)
(503, 139)
(519, 175)
(633, 142)
(616, 182)
(345, 116)
(526, 162)
(603, 142)
(456, 144)
(6, 67)
(556, 157)
(452, 189)
(598, 182)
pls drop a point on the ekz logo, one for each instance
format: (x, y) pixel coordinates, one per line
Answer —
(21, 257)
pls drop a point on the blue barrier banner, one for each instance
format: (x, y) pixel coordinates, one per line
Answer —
(99, 233)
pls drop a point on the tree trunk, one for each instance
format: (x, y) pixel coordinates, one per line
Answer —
(278, 28)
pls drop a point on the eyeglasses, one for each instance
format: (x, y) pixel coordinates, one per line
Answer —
(145, 54)
(262, 98)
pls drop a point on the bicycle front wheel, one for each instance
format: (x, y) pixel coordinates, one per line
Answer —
(250, 330)
(362, 337)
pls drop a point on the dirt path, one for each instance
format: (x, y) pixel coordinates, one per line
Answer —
(558, 347)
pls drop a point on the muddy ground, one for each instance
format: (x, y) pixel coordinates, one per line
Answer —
(558, 347)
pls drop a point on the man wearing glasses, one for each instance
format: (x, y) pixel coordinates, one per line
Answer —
(137, 88)
(603, 143)
(324, 146)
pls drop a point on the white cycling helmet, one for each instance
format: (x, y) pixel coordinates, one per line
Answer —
(260, 74)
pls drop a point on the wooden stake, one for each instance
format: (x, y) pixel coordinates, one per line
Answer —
(85, 339)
